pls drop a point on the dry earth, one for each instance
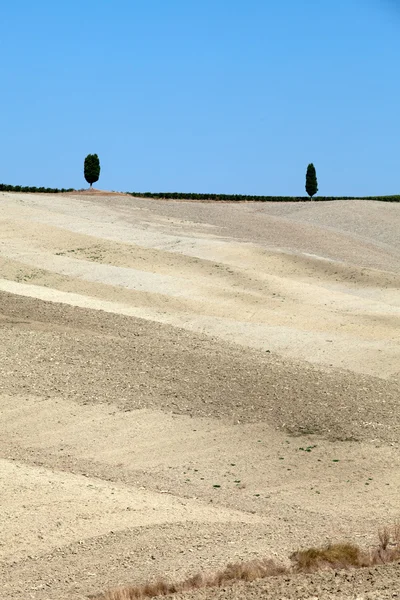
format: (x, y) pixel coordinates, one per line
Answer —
(188, 384)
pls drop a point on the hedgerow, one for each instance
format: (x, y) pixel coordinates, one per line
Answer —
(249, 198)
(28, 189)
(211, 197)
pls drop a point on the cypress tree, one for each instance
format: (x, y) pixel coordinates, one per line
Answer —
(91, 169)
(311, 181)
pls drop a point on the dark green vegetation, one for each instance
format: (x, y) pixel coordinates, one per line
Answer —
(249, 198)
(211, 197)
(91, 168)
(32, 189)
(202, 197)
(311, 181)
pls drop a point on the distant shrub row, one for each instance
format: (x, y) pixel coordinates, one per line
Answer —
(27, 189)
(243, 198)
(215, 197)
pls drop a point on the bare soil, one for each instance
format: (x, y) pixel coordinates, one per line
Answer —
(185, 385)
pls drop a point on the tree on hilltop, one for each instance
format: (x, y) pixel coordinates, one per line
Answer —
(91, 168)
(311, 181)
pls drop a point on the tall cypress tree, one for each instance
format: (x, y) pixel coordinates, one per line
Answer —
(311, 181)
(91, 168)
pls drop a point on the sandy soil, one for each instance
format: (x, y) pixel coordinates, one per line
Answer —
(186, 384)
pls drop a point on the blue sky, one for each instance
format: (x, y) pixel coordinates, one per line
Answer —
(202, 95)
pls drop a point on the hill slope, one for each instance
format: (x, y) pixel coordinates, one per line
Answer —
(155, 434)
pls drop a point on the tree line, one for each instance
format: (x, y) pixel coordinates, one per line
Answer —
(91, 172)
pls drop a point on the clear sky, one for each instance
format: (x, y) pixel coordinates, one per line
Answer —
(233, 96)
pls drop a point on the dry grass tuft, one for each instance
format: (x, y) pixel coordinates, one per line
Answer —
(336, 556)
(333, 556)
(396, 533)
(384, 537)
(389, 548)
(346, 556)
(246, 571)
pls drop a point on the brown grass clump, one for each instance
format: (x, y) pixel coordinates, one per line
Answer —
(389, 548)
(336, 556)
(333, 556)
(346, 556)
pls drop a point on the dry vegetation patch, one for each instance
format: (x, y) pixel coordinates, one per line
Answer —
(242, 571)
(333, 556)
